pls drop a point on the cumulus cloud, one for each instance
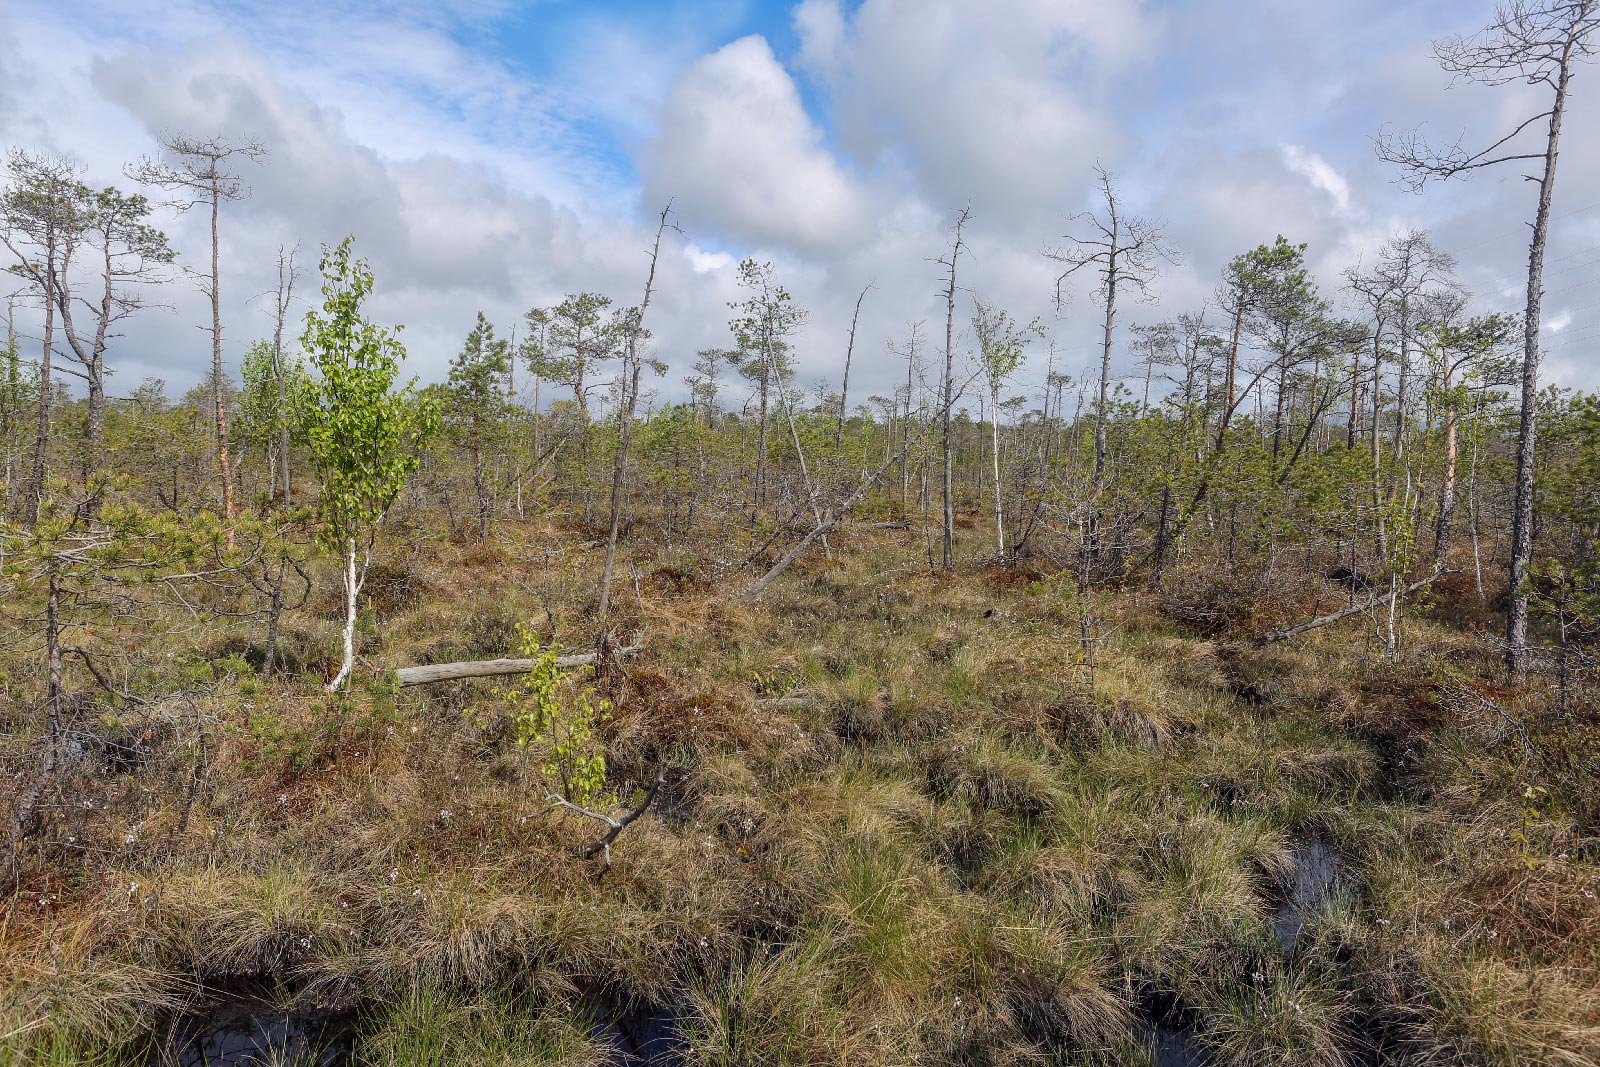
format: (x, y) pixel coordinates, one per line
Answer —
(838, 147)
(1001, 104)
(740, 155)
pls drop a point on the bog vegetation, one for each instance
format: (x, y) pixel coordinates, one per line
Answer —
(1242, 711)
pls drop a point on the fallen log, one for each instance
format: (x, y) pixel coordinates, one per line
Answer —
(792, 702)
(490, 668)
(1344, 613)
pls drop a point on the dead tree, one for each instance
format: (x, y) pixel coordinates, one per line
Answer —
(203, 174)
(631, 362)
(288, 274)
(1538, 43)
(493, 668)
(948, 383)
(832, 516)
(614, 826)
(844, 388)
(1126, 251)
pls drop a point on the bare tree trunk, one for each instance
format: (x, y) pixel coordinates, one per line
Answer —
(27, 804)
(820, 530)
(1375, 440)
(1472, 510)
(1402, 386)
(224, 461)
(274, 616)
(949, 397)
(800, 454)
(1522, 512)
(630, 385)
(1229, 388)
(1103, 400)
(761, 448)
(994, 456)
(905, 429)
(286, 280)
(352, 589)
(494, 668)
(1396, 590)
(13, 416)
(1447, 483)
(1355, 399)
(844, 387)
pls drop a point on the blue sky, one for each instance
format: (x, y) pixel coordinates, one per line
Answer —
(494, 155)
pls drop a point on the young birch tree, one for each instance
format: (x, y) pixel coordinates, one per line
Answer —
(362, 434)
(1002, 344)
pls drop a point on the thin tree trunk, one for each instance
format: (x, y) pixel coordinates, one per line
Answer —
(994, 455)
(844, 387)
(42, 439)
(352, 589)
(630, 384)
(224, 461)
(1104, 398)
(800, 454)
(1229, 388)
(1447, 485)
(949, 400)
(1522, 512)
(286, 280)
(761, 449)
(821, 530)
(905, 429)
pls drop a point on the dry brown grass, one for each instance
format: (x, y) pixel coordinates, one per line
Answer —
(953, 851)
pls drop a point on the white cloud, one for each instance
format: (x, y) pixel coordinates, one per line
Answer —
(739, 154)
(471, 183)
(705, 262)
(1320, 173)
(820, 26)
(1000, 104)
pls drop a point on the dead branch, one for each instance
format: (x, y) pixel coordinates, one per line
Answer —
(616, 826)
(1345, 613)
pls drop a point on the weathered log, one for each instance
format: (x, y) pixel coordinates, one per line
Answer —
(792, 702)
(1344, 613)
(490, 668)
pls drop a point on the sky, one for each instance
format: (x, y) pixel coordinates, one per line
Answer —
(492, 155)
